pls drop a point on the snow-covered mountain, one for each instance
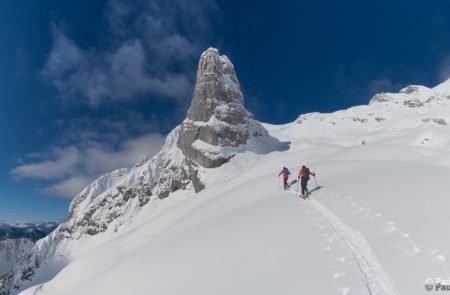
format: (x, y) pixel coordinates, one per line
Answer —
(29, 230)
(11, 251)
(207, 216)
(217, 128)
(17, 240)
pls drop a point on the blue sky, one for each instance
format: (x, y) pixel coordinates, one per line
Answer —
(90, 86)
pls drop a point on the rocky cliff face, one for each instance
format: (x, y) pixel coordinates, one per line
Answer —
(217, 121)
(217, 127)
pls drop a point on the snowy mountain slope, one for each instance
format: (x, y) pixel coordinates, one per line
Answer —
(12, 250)
(387, 117)
(248, 237)
(373, 228)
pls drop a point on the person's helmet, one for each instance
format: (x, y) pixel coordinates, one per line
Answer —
(303, 166)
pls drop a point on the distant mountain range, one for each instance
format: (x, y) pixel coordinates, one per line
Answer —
(29, 230)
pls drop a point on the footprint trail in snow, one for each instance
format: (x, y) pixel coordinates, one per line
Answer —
(374, 276)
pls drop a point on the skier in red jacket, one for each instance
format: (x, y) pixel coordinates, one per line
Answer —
(285, 172)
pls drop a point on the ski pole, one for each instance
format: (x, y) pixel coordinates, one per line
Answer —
(296, 191)
(315, 180)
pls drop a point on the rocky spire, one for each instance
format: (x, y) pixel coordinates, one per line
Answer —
(217, 121)
(217, 91)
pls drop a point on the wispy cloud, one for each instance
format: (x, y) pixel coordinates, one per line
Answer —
(383, 85)
(444, 69)
(55, 164)
(360, 81)
(72, 167)
(69, 187)
(152, 50)
(88, 148)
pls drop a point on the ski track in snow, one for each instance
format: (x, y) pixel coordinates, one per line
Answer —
(372, 273)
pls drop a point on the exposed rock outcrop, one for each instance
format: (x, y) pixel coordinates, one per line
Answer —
(217, 121)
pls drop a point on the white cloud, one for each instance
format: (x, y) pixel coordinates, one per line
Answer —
(444, 69)
(120, 76)
(152, 51)
(383, 85)
(72, 167)
(67, 56)
(60, 163)
(102, 157)
(68, 188)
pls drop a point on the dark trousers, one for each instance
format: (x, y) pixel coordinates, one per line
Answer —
(285, 182)
(304, 184)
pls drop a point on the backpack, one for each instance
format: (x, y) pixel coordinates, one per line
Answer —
(306, 173)
(287, 172)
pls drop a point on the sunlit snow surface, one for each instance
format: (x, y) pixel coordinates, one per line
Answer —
(376, 225)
